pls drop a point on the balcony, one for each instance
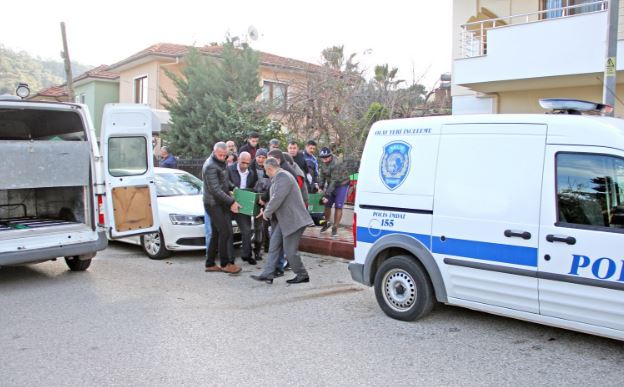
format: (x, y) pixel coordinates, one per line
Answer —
(551, 48)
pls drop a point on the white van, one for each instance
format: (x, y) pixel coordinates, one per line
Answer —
(59, 194)
(516, 215)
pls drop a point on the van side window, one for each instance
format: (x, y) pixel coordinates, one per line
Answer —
(127, 156)
(589, 189)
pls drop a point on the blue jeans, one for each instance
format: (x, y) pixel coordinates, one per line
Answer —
(207, 230)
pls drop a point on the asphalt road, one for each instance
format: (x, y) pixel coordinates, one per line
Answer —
(132, 321)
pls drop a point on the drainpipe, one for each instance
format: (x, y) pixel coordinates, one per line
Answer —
(609, 85)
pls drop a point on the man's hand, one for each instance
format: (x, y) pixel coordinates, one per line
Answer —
(264, 216)
(324, 200)
(261, 214)
(235, 207)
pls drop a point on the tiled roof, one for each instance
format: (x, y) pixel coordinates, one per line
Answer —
(100, 72)
(54, 92)
(178, 50)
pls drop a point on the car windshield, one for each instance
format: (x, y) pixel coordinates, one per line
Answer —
(177, 184)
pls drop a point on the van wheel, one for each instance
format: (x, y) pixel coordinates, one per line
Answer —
(154, 246)
(76, 264)
(403, 289)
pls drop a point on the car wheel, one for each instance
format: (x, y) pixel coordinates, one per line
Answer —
(154, 245)
(403, 289)
(76, 264)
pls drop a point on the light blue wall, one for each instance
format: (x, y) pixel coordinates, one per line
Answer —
(96, 95)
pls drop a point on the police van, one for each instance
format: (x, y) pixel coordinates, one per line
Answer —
(61, 192)
(515, 215)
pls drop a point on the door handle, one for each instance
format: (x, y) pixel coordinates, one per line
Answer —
(561, 238)
(519, 234)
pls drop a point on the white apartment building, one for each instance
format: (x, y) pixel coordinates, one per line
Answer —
(507, 54)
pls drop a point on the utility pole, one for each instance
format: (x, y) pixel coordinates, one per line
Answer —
(68, 72)
(608, 90)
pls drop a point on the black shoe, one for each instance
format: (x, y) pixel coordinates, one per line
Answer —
(250, 261)
(278, 273)
(299, 279)
(262, 279)
(258, 256)
(326, 226)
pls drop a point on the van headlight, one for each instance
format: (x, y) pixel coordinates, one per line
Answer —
(186, 220)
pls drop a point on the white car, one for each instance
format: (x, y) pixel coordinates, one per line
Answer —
(181, 215)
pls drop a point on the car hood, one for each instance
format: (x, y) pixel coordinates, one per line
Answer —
(185, 204)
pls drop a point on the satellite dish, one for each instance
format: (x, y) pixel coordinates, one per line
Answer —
(252, 32)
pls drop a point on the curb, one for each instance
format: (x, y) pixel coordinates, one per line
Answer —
(325, 246)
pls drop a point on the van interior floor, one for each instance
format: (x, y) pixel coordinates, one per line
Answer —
(31, 222)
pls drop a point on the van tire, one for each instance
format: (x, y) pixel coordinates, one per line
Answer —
(76, 264)
(403, 288)
(154, 246)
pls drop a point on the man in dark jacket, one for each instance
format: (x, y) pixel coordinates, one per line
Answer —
(243, 177)
(261, 228)
(219, 204)
(167, 160)
(297, 155)
(335, 184)
(251, 146)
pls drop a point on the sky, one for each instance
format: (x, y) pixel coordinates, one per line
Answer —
(413, 35)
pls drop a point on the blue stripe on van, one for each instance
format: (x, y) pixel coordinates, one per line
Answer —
(486, 251)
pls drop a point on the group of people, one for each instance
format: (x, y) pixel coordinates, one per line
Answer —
(284, 181)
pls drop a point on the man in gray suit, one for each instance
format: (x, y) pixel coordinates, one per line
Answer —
(289, 218)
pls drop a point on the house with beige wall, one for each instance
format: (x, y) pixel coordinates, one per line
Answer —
(143, 78)
(507, 54)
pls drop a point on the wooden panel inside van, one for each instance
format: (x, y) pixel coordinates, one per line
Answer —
(132, 207)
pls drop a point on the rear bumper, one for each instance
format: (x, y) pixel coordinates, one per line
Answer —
(46, 253)
(357, 273)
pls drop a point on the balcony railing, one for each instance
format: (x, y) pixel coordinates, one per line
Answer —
(473, 39)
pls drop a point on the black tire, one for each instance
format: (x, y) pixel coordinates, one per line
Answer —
(154, 246)
(76, 264)
(403, 288)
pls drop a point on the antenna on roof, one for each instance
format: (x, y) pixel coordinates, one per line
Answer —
(252, 32)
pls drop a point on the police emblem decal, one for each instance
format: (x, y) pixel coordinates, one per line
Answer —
(395, 164)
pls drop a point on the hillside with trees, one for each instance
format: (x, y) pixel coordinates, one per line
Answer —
(16, 67)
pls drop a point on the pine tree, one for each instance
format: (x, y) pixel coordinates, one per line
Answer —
(216, 101)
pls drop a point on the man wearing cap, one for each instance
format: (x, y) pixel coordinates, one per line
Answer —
(334, 182)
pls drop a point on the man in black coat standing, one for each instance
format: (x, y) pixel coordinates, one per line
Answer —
(219, 204)
(251, 146)
(243, 177)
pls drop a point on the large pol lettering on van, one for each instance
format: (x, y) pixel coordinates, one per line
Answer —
(395, 164)
(601, 268)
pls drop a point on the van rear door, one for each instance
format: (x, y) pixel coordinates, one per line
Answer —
(126, 144)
